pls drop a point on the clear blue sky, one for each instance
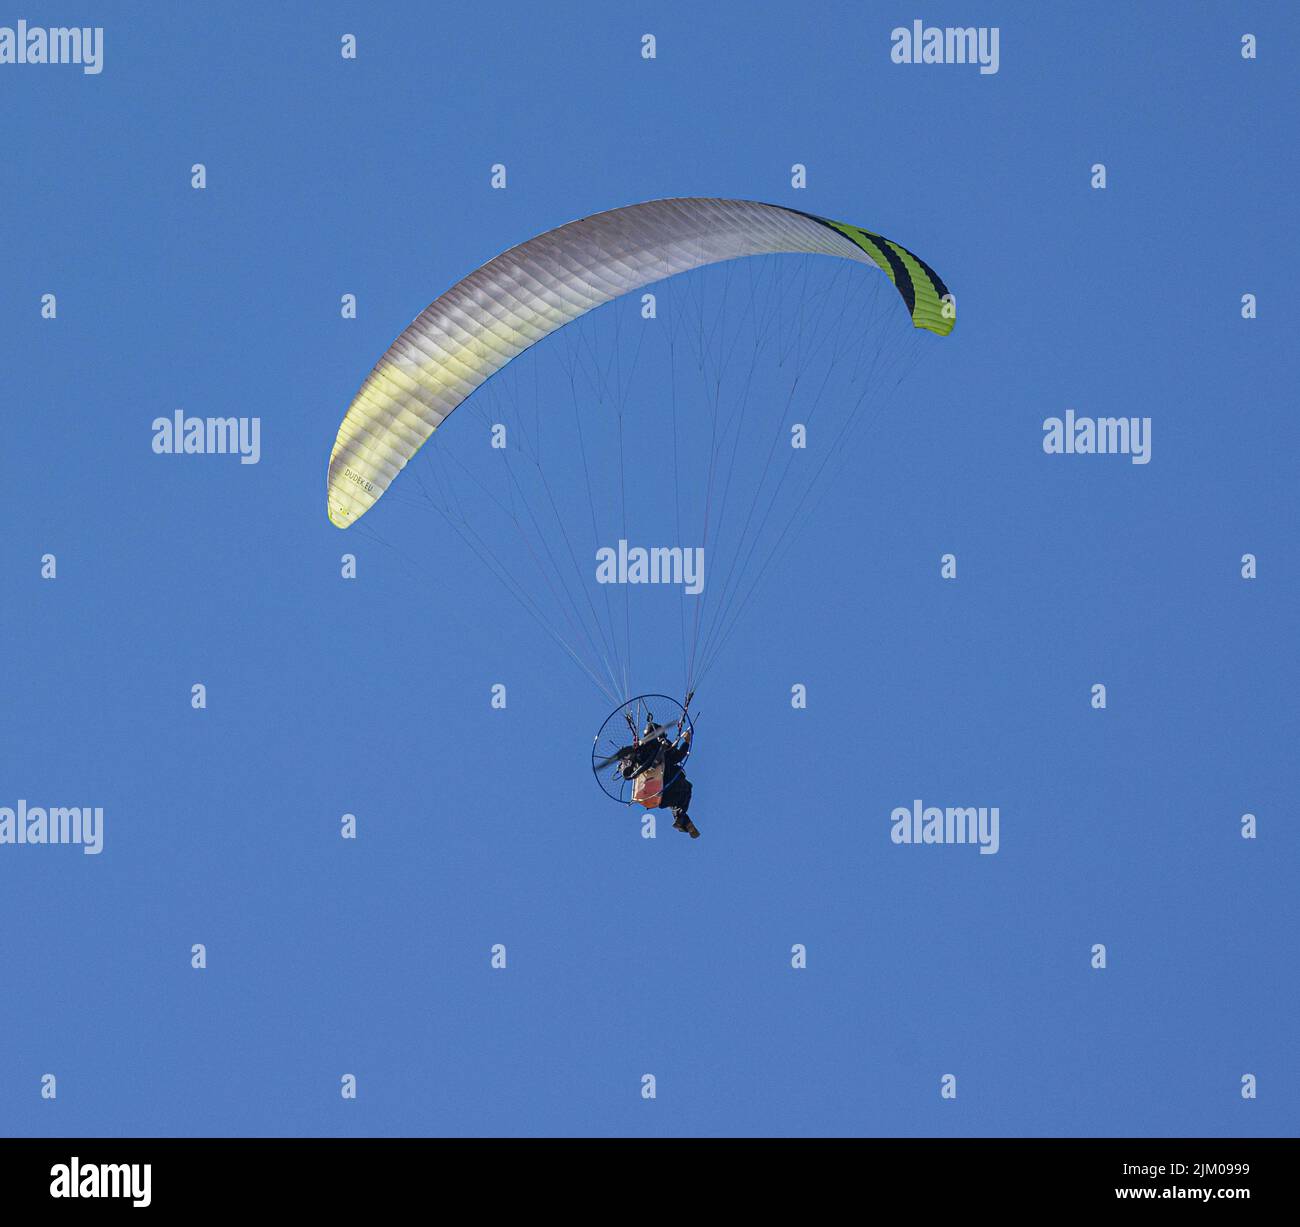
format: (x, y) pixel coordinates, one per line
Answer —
(667, 956)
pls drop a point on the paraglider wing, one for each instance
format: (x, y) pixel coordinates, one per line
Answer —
(528, 292)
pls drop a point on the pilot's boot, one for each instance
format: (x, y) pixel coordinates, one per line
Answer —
(682, 822)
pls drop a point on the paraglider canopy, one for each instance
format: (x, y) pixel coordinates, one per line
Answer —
(631, 475)
(523, 295)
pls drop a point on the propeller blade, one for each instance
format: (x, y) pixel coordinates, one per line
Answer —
(654, 732)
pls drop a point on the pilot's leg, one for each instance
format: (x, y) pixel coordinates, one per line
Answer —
(681, 819)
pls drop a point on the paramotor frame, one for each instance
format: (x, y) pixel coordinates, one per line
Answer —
(624, 727)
